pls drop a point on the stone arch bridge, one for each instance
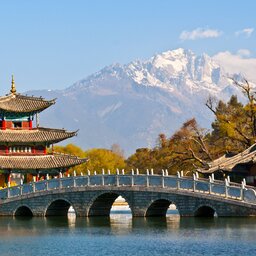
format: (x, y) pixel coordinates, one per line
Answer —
(147, 195)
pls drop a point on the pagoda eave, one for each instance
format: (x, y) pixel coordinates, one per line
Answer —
(35, 136)
(39, 163)
(19, 103)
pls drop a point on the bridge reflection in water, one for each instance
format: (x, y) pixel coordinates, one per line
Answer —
(146, 195)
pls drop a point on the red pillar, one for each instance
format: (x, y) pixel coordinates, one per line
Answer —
(4, 125)
(9, 179)
(6, 150)
(45, 150)
(30, 124)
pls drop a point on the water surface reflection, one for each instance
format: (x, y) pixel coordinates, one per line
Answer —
(133, 236)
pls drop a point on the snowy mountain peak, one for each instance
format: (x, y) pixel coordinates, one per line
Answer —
(177, 69)
(174, 70)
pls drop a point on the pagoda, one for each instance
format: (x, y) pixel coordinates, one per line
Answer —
(23, 146)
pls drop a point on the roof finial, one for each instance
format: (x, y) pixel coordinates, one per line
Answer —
(13, 88)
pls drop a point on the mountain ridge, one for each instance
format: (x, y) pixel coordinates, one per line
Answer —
(131, 104)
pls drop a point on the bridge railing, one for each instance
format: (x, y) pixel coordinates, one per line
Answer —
(225, 189)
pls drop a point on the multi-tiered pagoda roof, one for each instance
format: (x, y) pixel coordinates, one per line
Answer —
(23, 146)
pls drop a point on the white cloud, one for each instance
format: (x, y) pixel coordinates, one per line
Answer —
(243, 53)
(246, 31)
(238, 63)
(199, 33)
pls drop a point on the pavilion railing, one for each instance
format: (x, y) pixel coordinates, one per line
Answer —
(224, 189)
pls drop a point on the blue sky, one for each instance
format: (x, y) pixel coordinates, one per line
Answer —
(50, 44)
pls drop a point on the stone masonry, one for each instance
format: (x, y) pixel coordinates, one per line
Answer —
(143, 201)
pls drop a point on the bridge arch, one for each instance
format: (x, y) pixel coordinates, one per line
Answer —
(58, 207)
(158, 207)
(101, 204)
(23, 210)
(205, 210)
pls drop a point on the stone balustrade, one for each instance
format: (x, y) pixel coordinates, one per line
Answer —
(223, 189)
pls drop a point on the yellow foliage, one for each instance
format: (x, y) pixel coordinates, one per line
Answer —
(103, 159)
(98, 159)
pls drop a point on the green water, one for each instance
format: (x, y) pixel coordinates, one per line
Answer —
(121, 234)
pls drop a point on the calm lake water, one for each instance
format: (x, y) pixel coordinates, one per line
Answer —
(121, 235)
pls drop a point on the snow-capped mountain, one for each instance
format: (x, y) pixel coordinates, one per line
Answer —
(131, 104)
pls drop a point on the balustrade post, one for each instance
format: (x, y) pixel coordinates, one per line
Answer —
(47, 185)
(117, 177)
(123, 172)
(242, 191)
(163, 185)
(34, 187)
(88, 177)
(47, 176)
(212, 177)
(181, 173)
(74, 181)
(210, 184)
(74, 173)
(21, 187)
(166, 172)
(194, 182)
(108, 172)
(226, 188)
(102, 177)
(178, 180)
(152, 171)
(137, 171)
(132, 178)
(147, 178)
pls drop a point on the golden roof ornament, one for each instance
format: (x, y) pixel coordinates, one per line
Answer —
(13, 88)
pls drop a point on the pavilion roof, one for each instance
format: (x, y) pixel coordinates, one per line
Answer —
(36, 135)
(19, 103)
(39, 162)
(227, 163)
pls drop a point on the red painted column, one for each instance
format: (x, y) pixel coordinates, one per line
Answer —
(9, 179)
(33, 150)
(45, 150)
(4, 125)
(6, 150)
(30, 124)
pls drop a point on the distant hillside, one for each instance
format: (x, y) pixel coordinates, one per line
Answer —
(131, 104)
